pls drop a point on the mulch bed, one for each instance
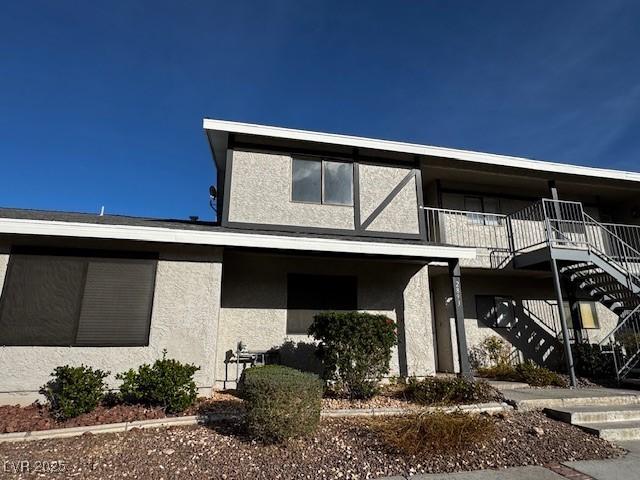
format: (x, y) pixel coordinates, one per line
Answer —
(341, 448)
(14, 418)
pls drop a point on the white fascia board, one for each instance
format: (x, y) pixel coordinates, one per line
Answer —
(222, 238)
(416, 149)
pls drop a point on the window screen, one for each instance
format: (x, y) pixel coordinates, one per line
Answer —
(308, 295)
(65, 300)
(495, 311)
(588, 315)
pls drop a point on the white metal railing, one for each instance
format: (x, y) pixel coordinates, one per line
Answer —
(467, 229)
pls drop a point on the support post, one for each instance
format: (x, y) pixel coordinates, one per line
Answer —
(553, 189)
(568, 356)
(458, 312)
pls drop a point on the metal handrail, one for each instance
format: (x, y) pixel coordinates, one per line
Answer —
(467, 228)
(623, 261)
(620, 325)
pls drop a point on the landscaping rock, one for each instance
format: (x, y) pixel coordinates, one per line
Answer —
(341, 448)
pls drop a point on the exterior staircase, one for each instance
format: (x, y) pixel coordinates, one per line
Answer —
(597, 262)
(611, 422)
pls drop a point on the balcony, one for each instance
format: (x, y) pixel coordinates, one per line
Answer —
(546, 223)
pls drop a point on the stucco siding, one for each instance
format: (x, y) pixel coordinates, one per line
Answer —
(254, 306)
(184, 321)
(4, 261)
(261, 193)
(535, 333)
(401, 215)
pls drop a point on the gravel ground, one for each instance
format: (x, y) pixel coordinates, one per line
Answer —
(342, 448)
(14, 418)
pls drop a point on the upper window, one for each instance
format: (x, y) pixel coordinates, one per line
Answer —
(322, 181)
(308, 295)
(72, 299)
(482, 205)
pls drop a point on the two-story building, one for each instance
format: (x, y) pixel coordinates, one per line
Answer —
(454, 245)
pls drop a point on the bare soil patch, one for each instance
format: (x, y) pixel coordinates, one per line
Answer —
(341, 448)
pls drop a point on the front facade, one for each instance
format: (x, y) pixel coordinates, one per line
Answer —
(454, 246)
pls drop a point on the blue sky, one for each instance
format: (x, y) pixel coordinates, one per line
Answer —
(101, 103)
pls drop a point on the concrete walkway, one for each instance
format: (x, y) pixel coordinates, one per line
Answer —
(539, 398)
(625, 468)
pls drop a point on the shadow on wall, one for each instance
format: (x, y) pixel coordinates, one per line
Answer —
(300, 355)
(254, 299)
(530, 335)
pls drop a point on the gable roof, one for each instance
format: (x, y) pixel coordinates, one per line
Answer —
(221, 128)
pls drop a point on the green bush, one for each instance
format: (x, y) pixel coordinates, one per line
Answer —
(449, 391)
(167, 383)
(492, 351)
(538, 376)
(281, 402)
(590, 362)
(74, 390)
(503, 371)
(355, 349)
(527, 372)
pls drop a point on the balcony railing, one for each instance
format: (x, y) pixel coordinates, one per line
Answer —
(467, 229)
(545, 222)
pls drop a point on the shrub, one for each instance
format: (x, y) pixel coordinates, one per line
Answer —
(355, 349)
(590, 362)
(538, 376)
(527, 372)
(167, 383)
(74, 390)
(505, 371)
(424, 433)
(281, 402)
(449, 391)
(492, 351)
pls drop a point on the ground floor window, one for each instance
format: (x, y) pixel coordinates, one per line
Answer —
(587, 314)
(77, 298)
(308, 295)
(495, 311)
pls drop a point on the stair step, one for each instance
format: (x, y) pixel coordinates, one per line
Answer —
(613, 431)
(587, 414)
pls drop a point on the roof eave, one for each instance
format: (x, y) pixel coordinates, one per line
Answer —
(416, 149)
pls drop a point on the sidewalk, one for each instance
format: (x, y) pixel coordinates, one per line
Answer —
(624, 468)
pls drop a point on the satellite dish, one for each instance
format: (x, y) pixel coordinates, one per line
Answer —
(213, 192)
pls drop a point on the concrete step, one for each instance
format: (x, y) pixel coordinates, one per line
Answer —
(595, 413)
(613, 431)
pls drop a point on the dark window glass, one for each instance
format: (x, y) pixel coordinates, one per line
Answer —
(495, 311)
(308, 295)
(307, 181)
(76, 300)
(338, 183)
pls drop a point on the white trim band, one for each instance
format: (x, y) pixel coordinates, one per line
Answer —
(416, 149)
(222, 238)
